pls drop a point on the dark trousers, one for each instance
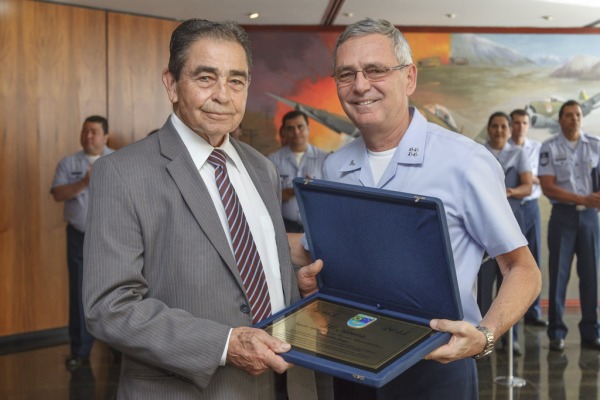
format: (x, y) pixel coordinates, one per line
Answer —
(572, 232)
(426, 380)
(81, 340)
(292, 226)
(533, 234)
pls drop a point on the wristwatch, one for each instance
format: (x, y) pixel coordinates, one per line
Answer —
(489, 346)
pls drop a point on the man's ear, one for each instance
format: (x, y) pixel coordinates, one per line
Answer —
(170, 84)
(411, 79)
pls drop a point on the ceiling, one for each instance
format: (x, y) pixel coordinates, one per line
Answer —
(421, 13)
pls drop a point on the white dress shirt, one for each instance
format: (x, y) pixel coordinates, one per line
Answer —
(256, 212)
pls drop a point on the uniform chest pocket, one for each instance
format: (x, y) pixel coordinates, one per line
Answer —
(564, 170)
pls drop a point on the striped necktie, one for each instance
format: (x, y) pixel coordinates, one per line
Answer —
(244, 248)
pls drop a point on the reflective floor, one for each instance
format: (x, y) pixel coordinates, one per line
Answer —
(572, 374)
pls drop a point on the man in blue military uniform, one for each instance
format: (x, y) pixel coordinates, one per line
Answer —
(70, 185)
(297, 158)
(532, 220)
(399, 150)
(569, 165)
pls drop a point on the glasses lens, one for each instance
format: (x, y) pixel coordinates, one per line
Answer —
(345, 77)
(376, 73)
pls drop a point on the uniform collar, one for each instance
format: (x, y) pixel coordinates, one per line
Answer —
(411, 149)
(582, 138)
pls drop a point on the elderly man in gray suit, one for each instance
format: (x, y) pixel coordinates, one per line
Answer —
(165, 281)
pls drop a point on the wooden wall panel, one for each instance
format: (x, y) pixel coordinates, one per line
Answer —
(138, 51)
(53, 76)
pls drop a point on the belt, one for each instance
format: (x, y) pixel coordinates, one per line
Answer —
(576, 207)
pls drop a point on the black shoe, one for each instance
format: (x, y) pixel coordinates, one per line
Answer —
(536, 322)
(591, 344)
(557, 344)
(72, 363)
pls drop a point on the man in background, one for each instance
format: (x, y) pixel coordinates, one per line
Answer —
(70, 186)
(568, 174)
(297, 158)
(532, 221)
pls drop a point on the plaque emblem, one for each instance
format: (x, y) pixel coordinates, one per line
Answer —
(360, 321)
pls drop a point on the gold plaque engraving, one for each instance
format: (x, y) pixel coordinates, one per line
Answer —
(347, 334)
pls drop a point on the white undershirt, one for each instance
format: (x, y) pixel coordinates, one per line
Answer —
(573, 143)
(93, 159)
(256, 212)
(298, 156)
(378, 161)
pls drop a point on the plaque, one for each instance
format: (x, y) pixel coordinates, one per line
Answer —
(388, 270)
(350, 335)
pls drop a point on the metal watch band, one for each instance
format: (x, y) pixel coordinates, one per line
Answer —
(489, 346)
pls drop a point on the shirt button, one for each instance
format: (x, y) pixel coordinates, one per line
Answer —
(245, 309)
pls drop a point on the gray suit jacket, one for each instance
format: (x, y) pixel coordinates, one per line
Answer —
(160, 281)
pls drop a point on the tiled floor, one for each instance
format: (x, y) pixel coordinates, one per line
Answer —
(572, 374)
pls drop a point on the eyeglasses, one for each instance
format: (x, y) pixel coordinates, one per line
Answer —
(372, 74)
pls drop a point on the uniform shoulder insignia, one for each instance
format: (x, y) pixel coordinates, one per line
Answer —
(544, 158)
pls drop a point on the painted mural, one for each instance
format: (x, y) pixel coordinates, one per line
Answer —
(462, 79)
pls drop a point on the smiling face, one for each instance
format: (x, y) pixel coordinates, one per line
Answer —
(210, 96)
(375, 107)
(498, 132)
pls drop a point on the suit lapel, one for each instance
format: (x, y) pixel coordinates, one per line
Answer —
(194, 192)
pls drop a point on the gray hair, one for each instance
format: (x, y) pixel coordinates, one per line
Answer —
(370, 26)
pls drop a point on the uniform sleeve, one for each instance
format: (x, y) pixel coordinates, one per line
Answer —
(524, 163)
(546, 165)
(487, 215)
(61, 175)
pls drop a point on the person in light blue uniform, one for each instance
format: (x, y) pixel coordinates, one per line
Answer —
(399, 150)
(531, 211)
(518, 180)
(568, 171)
(70, 185)
(297, 158)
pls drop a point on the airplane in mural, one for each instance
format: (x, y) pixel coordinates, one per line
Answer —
(544, 114)
(341, 124)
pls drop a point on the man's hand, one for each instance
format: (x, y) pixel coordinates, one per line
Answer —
(466, 341)
(307, 278)
(255, 351)
(592, 200)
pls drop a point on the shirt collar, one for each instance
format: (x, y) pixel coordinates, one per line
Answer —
(411, 149)
(199, 148)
